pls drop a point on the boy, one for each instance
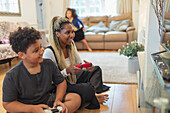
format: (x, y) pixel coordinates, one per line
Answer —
(27, 86)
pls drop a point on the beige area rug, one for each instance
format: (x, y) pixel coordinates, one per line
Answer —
(114, 66)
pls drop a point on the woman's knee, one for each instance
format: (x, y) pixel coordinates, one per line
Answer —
(98, 71)
(98, 68)
(87, 87)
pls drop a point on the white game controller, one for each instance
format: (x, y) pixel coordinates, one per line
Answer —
(56, 109)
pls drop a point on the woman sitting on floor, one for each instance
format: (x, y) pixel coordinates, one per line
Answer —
(64, 54)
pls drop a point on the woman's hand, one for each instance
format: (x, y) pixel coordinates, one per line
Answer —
(73, 69)
(39, 108)
(59, 103)
(89, 68)
(83, 29)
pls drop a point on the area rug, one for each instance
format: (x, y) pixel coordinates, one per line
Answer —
(114, 66)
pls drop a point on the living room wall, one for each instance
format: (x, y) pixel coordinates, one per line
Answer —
(28, 13)
(53, 8)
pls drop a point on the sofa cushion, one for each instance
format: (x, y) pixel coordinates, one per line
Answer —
(86, 27)
(94, 23)
(114, 45)
(167, 37)
(95, 45)
(85, 20)
(121, 17)
(167, 15)
(119, 25)
(98, 19)
(95, 20)
(101, 29)
(116, 36)
(91, 36)
(79, 45)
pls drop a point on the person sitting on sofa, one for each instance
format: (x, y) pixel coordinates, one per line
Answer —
(27, 86)
(79, 29)
(64, 54)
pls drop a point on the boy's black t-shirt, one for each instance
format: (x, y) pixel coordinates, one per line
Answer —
(20, 85)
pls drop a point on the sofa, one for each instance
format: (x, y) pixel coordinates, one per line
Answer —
(111, 39)
(6, 52)
(166, 29)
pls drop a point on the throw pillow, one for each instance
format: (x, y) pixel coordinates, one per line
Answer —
(5, 41)
(167, 27)
(119, 25)
(100, 27)
(86, 27)
(167, 24)
(92, 28)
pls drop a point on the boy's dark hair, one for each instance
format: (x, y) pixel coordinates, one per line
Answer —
(23, 38)
(73, 11)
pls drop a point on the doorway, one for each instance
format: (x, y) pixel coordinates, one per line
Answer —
(40, 14)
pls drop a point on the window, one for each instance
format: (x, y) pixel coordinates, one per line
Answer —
(8, 7)
(94, 7)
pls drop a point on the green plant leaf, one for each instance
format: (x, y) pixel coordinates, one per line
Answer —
(130, 50)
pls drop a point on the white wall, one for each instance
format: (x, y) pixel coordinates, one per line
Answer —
(135, 14)
(28, 13)
(53, 8)
(152, 42)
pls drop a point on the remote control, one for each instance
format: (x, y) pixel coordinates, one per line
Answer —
(86, 65)
(56, 109)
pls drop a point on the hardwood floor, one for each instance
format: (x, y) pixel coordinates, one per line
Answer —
(122, 97)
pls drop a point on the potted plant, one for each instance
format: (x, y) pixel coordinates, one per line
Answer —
(165, 47)
(130, 50)
(167, 44)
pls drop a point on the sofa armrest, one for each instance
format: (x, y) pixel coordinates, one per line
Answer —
(130, 33)
(130, 29)
(163, 29)
(44, 38)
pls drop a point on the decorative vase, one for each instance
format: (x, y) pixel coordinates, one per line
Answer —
(133, 65)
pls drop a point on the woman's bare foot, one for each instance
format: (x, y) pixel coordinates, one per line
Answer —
(89, 49)
(102, 98)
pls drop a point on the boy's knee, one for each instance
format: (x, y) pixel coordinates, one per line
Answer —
(75, 97)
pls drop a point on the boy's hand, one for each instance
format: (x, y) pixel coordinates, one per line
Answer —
(39, 108)
(59, 103)
(89, 68)
(73, 69)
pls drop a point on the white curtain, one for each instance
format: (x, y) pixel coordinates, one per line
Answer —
(124, 6)
(110, 7)
(167, 5)
(66, 4)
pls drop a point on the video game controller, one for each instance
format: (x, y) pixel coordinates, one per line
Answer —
(56, 109)
(86, 65)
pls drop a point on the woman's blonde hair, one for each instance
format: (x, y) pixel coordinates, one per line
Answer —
(55, 26)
